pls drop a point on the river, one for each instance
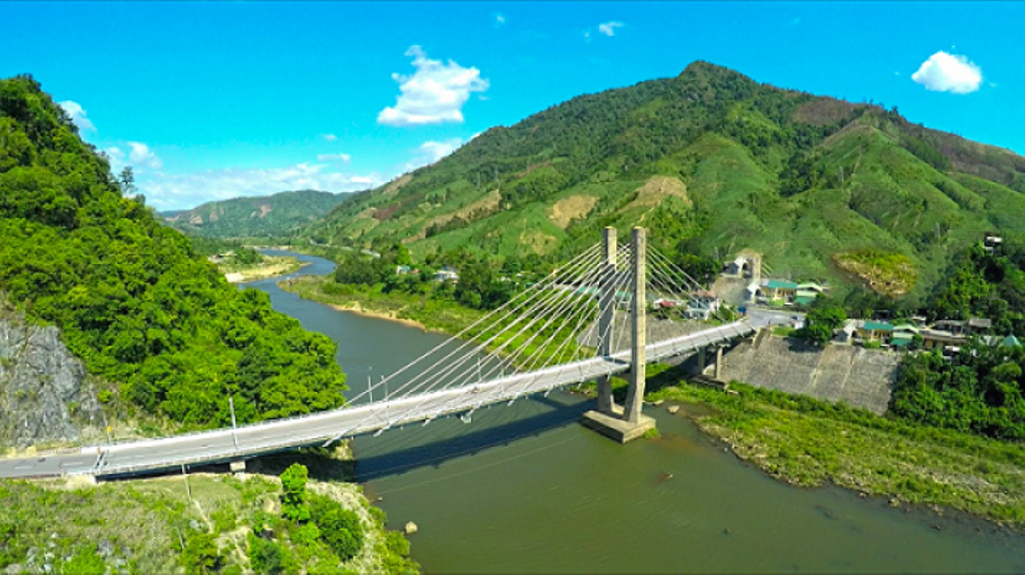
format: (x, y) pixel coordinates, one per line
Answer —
(525, 488)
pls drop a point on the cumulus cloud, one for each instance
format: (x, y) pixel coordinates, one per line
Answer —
(181, 191)
(138, 156)
(438, 150)
(953, 73)
(334, 158)
(499, 19)
(434, 94)
(141, 155)
(330, 137)
(609, 28)
(78, 115)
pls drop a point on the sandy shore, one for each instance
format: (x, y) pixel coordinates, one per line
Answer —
(356, 308)
(277, 267)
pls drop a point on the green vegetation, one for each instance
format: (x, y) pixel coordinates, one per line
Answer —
(712, 162)
(981, 389)
(132, 297)
(823, 319)
(254, 217)
(811, 442)
(203, 524)
(890, 274)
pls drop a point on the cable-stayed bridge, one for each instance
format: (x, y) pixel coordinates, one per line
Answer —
(532, 344)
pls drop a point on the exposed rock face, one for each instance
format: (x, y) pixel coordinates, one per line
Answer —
(44, 397)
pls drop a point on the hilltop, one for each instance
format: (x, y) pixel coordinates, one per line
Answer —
(262, 216)
(713, 163)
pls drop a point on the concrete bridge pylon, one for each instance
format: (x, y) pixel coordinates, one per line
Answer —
(628, 422)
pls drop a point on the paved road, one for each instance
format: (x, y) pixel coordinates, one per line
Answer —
(267, 437)
(762, 317)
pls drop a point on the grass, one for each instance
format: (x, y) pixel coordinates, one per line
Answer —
(890, 274)
(142, 525)
(810, 442)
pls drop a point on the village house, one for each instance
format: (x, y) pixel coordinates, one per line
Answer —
(780, 289)
(875, 330)
(702, 305)
(992, 242)
(446, 274)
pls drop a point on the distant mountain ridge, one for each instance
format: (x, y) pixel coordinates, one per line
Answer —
(711, 161)
(260, 216)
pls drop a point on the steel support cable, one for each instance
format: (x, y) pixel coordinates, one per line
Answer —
(534, 291)
(572, 297)
(545, 295)
(567, 301)
(625, 277)
(658, 283)
(580, 270)
(532, 360)
(669, 263)
(520, 350)
(451, 367)
(603, 337)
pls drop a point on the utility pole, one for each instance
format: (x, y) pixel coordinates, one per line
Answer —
(234, 436)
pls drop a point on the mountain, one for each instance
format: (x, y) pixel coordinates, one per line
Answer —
(263, 216)
(713, 163)
(157, 327)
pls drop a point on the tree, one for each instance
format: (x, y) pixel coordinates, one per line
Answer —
(824, 318)
(293, 496)
(340, 528)
(126, 181)
(201, 555)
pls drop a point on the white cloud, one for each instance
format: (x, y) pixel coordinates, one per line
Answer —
(78, 115)
(180, 191)
(944, 72)
(141, 155)
(438, 150)
(499, 19)
(330, 137)
(609, 28)
(334, 158)
(434, 94)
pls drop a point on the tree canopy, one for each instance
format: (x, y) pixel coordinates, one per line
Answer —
(132, 297)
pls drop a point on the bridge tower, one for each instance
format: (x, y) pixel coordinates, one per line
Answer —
(622, 423)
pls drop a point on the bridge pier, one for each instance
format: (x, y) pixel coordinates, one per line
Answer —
(627, 423)
(607, 318)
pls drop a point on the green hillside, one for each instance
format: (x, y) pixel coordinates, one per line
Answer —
(264, 216)
(713, 163)
(145, 312)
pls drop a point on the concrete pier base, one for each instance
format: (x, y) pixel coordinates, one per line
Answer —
(614, 427)
(238, 466)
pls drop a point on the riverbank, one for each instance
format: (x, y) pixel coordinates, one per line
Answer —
(808, 442)
(270, 266)
(793, 438)
(159, 525)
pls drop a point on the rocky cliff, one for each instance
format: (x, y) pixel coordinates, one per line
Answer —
(44, 395)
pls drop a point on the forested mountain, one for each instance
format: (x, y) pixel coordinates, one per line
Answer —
(132, 298)
(262, 216)
(713, 163)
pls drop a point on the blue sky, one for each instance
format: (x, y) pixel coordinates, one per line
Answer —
(218, 99)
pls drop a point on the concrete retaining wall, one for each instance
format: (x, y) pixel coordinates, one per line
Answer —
(861, 377)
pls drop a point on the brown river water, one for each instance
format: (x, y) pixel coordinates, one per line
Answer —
(525, 488)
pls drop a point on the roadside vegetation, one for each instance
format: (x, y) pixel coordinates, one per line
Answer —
(202, 523)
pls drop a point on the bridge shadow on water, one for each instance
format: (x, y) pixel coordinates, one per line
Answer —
(407, 448)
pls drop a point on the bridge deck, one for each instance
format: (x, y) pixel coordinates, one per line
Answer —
(271, 436)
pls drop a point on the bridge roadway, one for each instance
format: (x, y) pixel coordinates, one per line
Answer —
(221, 445)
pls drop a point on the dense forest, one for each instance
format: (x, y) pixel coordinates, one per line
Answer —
(276, 215)
(132, 297)
(715, 162)
(980, 390)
